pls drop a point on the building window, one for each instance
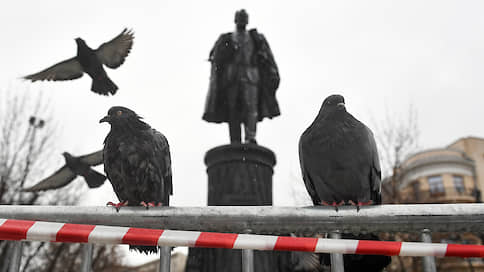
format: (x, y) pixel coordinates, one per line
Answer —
(416, 190)
(459, 184)
(436, 185)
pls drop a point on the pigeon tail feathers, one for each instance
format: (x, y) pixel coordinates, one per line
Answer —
(94, 179)
(104, 86)
(144, 249)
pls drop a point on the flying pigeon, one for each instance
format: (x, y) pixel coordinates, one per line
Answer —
(137, 162)
(112, 54)
(74, 166)
(339, 159)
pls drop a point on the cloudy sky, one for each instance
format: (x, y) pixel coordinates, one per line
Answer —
(381, 55)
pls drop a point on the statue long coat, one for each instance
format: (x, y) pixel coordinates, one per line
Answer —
(216, 107)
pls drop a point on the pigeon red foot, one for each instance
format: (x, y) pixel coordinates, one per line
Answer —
(333, 204)
(359, 204)
(150, 204)
(117, 205)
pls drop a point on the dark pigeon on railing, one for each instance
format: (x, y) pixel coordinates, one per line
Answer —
(340, 165)
(339, 158)
(75, 166)
(137, 162)
(112, 54)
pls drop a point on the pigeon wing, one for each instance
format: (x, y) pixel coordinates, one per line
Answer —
(375, 178)
(115, 171)
(308, 182)
(64, 70)
(163, 153)
(305, 261)
(94, 179)
(60, 178)
(113, 53)
(93, 159)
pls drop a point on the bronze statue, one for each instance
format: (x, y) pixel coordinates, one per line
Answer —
(243, 81)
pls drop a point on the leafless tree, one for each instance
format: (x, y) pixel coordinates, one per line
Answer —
(397, 137)
(27, 143)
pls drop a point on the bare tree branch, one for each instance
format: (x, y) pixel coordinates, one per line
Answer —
(397, 137)
(27, 133)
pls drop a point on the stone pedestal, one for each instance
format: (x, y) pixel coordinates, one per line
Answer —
(238, 175)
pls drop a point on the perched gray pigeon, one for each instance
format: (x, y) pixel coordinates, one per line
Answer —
(137, 162)
(75, 166)
(340, 165)
(112, 54)
(339, 158)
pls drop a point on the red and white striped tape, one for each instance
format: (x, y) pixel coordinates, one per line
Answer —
(74, 233)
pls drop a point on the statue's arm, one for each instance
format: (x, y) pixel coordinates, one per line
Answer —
(267, 49)
(215, 48)
(268, 64)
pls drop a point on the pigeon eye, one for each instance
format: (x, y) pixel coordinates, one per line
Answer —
(119, 113)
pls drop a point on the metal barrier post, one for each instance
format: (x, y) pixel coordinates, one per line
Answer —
(86, 263)
(247, 260)
(16, 256)
(165, 258)
(337, 264)
(428, 261)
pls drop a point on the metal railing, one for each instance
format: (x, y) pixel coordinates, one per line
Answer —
(421, 218)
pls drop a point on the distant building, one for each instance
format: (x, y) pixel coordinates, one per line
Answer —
(453, 174)
(473, 147)
(441, 175)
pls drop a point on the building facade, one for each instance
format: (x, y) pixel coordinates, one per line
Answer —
(473, 147)
(438, 176)
(452, 174)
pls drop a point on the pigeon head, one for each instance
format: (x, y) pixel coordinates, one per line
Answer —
(333, 103)
(333, 107)
(120, 117)
(80, 41)
(66, 155)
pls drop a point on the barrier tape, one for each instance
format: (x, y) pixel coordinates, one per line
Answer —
(75, 233)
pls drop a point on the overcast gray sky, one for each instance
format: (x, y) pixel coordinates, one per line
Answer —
(381, 55)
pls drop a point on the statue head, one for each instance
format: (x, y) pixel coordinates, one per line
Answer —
(241, 18)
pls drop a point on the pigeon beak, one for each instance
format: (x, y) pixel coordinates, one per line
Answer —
(106, 118)
(341, 105)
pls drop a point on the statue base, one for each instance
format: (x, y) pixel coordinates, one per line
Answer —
(238, 175)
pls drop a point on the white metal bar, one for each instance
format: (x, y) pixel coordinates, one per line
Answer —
(267, 220)
(86, 263)
(21, 230)
(16, 256)
(165, 258)
(247, 260)
(337, 264)
(428, 261)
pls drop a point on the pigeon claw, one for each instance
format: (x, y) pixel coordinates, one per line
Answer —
(147, 205)
(144, 204)
(117, 205)
(365, 203)
(359, 204)
(333, 204)
(155, 204)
